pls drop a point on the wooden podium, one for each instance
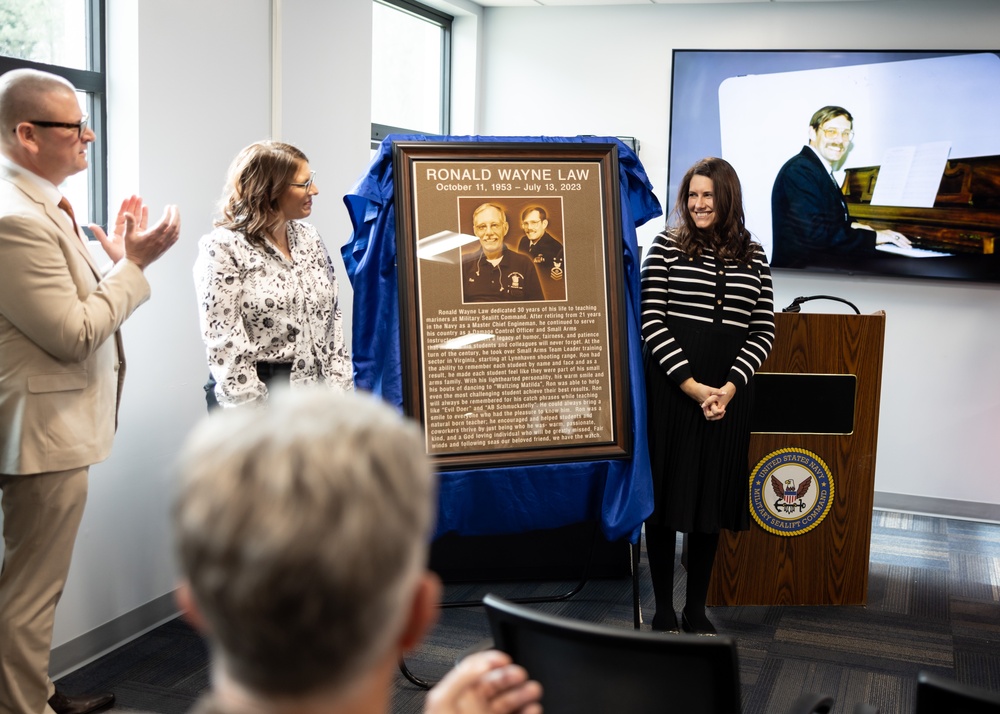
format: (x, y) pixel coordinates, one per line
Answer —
(821, 366)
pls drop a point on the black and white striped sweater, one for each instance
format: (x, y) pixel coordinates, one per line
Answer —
(707, 290)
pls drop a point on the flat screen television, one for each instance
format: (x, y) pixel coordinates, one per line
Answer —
(924, 123)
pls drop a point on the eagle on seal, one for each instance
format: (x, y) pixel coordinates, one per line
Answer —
(789, 491)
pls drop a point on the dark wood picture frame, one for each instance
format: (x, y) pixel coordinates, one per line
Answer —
(494, 369)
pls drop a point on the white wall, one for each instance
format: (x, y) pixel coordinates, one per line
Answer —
(326, 107)
(606, 71)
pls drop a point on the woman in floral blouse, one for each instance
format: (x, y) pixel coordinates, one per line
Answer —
(266, 288)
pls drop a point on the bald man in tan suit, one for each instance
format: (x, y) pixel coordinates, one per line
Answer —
(61, 367)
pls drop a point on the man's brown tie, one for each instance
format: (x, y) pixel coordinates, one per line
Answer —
(64, 204)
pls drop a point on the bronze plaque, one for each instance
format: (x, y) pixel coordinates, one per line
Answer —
(511, 300)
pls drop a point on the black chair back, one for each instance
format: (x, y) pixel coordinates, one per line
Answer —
(937, 695)
(585, 667)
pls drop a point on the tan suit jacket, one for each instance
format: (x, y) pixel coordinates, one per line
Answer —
(61, 361)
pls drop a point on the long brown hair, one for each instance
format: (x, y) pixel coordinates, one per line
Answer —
(258, 176)
(728, 237)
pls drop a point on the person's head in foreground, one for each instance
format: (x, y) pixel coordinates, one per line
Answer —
(302, 532)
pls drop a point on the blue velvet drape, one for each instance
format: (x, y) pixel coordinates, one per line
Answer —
(494, 501)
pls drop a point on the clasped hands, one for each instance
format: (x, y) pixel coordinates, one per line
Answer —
(712, 400)
(131, 239)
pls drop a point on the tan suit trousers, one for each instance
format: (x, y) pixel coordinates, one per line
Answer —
(41, 516)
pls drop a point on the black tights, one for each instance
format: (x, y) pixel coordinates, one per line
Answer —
(660, 544)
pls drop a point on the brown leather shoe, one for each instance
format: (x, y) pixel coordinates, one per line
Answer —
(83, 704)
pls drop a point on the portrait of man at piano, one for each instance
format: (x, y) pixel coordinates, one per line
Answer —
(908, 136)
(917, 204)
(809, 212)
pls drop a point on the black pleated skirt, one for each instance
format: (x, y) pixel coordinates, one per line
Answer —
(700, 469)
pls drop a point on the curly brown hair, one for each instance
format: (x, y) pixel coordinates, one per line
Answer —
(258, 176)
(728, 237)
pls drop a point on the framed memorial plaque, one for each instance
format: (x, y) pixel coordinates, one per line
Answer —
(511, 301)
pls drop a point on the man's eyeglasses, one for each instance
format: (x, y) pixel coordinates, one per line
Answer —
(835, 133)
(80, 126)
(307, 184)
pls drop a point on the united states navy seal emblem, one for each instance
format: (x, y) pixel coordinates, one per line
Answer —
(791, 491)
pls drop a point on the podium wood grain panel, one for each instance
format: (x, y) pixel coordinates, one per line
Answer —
(829, 564)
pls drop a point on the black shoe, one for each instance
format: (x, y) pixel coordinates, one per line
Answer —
(703, 626)
(83, 704)
(665, 622)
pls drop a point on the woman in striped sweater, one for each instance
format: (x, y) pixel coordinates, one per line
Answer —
(707, 325)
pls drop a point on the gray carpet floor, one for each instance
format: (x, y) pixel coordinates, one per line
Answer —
(933, 605)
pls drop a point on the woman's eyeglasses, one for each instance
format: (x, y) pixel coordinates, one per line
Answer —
(307, 184)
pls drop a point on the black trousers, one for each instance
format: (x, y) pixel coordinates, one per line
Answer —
(267, 372)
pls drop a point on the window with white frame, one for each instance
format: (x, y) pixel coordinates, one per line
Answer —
(411, 57)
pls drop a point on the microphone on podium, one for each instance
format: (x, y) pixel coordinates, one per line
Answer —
(796, 304)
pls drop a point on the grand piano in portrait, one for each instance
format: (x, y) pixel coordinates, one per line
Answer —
(965, 218)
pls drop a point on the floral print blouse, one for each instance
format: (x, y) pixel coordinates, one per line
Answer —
(257, 306)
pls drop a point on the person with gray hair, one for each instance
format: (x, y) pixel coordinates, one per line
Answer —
(62, 366)
(302, 532)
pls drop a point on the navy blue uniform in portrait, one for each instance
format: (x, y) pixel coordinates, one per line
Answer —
(547, 255)
(512, 279)
(810, 223)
